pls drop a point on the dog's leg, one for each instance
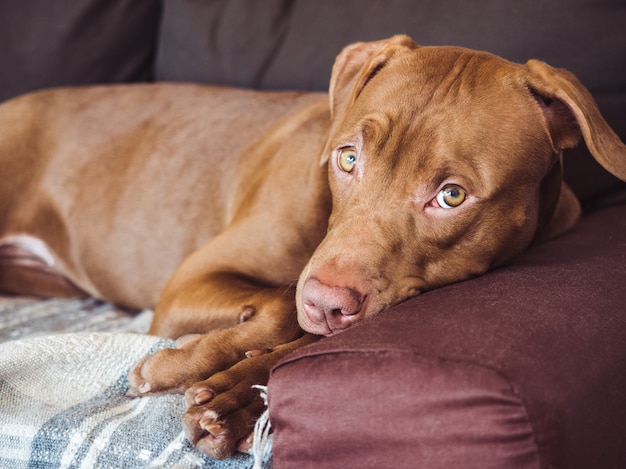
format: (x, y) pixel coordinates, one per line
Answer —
(222, 409)
(27, 267)
(248, 321)
(233, 316)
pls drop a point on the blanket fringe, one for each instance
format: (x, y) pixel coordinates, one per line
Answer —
(261, 444)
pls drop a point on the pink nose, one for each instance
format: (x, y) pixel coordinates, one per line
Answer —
(338, 307)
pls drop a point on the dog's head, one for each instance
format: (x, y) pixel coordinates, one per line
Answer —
(443, 163)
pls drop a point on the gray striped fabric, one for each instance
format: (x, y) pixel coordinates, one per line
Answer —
(23, 317)
(62, 395)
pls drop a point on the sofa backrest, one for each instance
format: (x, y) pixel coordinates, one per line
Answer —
(291, 44)
(75, 42)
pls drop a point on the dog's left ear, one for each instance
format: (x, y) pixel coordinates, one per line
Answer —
(354, 67)
(570, 113)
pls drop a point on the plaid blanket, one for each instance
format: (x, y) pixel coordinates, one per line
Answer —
(62, 396)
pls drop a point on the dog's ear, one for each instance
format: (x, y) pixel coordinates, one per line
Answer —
(570, 112)
(354, 67)
(357, 64)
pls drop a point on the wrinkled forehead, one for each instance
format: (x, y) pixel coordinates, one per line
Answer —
(449, 90)
(444, 79)
(454, 103)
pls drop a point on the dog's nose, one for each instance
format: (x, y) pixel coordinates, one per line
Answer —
(337, 307)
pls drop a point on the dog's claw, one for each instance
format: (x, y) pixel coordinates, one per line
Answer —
(203, 396)
(256, 353)
(245, 444)
(211, 427)
(209, 433)
(144, 388)
(198, 395)
(138, 391)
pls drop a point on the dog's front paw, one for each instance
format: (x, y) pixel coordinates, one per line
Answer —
(175, 370)
(165, 371)
(222, 410)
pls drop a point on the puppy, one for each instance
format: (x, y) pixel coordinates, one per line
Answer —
(248, 218)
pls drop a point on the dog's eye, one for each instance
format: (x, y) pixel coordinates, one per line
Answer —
(451, 196)
(347, 159)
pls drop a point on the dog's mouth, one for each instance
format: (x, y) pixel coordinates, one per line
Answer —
(323, 327)
(320, 323)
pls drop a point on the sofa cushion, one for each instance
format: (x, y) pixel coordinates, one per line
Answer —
(47, 43)
(521, 366)
(399, 409)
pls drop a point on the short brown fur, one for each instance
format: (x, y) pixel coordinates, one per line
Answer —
(212, 205)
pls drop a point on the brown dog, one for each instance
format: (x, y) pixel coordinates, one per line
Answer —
(437, 164)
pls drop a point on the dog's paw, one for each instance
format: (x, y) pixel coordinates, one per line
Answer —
(175, 370)
(222, 410)
(162, 372)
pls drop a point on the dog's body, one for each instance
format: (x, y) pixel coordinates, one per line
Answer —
(437, 164)
(122, 237)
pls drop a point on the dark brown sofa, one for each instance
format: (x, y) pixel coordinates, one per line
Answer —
(523, 367)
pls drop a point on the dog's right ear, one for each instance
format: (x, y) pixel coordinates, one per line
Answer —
(354, 67)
